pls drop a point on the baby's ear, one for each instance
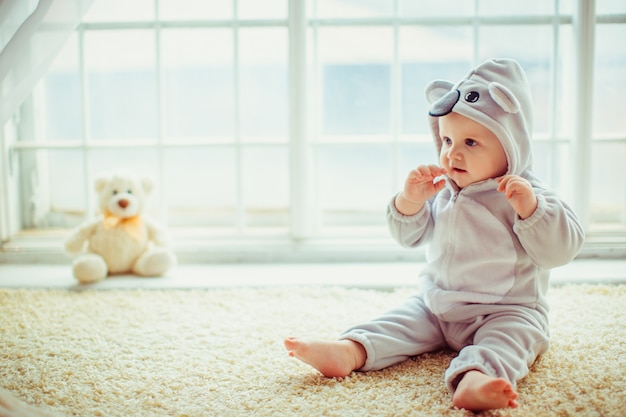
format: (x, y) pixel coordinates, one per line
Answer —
(437, 89)
(504, 97)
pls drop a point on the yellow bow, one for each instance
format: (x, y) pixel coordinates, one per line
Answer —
(131, 225)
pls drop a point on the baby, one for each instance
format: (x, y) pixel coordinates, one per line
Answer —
(494, 231)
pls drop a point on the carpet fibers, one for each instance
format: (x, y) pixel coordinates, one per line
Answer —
(219, 352)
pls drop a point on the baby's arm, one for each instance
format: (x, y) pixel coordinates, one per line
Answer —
(418, 188)
(549, 231)
(519, 192)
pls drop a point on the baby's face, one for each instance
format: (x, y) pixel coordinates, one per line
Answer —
(470, 152)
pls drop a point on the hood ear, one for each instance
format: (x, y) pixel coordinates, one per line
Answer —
(437, 89)
(504, 97)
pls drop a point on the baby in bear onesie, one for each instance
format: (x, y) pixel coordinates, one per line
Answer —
(493, 232)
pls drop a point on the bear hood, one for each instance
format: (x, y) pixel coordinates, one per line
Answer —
(495, 94)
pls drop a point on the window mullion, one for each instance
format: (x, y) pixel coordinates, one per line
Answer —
(396, 97)
(314, 116)
(86, 132)
(554, 92)
(239, 199)
(476, 33)
(163, 211)
(584, 27)
(9, 209)
(299, 167)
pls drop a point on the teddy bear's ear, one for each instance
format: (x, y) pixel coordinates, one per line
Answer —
(101, 181)
(504, 97)
(147, 184)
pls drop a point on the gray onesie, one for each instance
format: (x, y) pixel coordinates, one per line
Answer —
(483, 290)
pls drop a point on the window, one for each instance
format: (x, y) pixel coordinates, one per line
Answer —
(284, 127)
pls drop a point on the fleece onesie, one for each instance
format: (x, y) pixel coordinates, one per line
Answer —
(483, 290)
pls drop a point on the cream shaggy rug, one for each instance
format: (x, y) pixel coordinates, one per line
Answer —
(219, 353)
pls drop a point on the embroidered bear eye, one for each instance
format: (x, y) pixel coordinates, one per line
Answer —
(472, 97)
(129, 191)
(114, 192)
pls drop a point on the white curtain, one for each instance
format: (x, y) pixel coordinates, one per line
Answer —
(32, 33)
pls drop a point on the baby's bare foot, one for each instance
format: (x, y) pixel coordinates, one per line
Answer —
(477, 392)
(333, 359)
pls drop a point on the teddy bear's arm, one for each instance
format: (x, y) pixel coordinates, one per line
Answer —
(76, 240)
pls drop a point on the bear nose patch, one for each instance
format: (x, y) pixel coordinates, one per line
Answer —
(123, 203)
(472, 97)
(445, 104)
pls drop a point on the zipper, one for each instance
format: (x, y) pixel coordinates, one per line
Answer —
(449, 252)
(451, 238)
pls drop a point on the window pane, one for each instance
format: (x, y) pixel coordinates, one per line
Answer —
(120, 11)
(65, 176)
(551, 163)
(122, 84)
(354, 9)
(610, 6)
(54, 191)
(505, 8)
(266, 9)
(201, 186)
(608, 191)
(63, 110)
(503, 41)
(429, 8)
(354, 183)
(195, 10)
(264, 83)
(567, 7)
(541, 89)
(449, 58)
(198, 90)
(356, 78)
(565, 84)
(609, 80)
(411, 155)
(266, 186)
(143, 162)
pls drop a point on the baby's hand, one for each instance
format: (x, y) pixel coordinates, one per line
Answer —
(520, 194)
(418, 188)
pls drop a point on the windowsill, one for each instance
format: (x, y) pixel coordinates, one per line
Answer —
(361, 275)
(46, 247)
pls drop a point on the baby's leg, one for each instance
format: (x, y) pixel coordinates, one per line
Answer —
(405, 331)
(505, 344)
(478, 391)
(331, 358)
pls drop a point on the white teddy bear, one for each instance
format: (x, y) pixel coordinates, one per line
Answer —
(121, 240)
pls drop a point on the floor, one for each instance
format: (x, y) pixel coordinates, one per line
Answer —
(362, 275)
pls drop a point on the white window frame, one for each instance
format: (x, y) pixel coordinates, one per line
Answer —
(300, 245)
